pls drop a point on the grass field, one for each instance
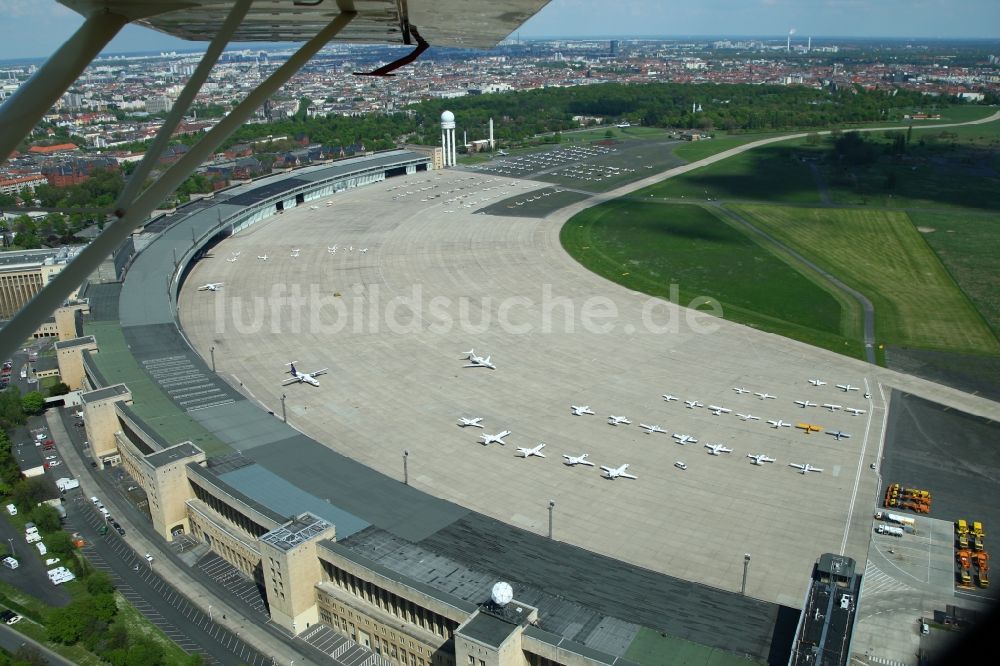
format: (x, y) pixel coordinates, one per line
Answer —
(650, 648)
(881, 253)
(771, 173)
(968, 245)
(649, 247)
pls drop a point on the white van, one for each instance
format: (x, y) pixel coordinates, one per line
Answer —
(42, 550)
(10, 562)
(33, 538)
(11, 509)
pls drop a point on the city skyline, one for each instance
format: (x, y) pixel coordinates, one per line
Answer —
(919, 19)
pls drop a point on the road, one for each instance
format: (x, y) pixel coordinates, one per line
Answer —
(11, 640)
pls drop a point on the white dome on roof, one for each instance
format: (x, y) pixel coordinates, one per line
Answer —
(502, 593)
(447, 117)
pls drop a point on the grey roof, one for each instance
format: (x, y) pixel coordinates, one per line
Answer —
(103, 299)
(75, 342)
(206, 473)
(173, 454)
(21, 257)
(104, 393)
(27, 454)
(574, 647)
(46, 363)
(488, 629)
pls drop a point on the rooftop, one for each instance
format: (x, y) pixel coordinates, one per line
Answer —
(76, 342)
(105, 393)
(488, 629)
(295, 532)
(173, 454)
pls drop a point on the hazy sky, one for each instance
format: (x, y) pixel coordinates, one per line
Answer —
(31, 28)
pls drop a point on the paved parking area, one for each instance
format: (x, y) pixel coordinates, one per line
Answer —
(341, 648)
(234, 581)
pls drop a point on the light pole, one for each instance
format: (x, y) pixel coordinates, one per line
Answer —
(284, 416)
(211, 350)
(210, 618)
(12, 551)
(406, 474)
(746, 565)
(552, 505)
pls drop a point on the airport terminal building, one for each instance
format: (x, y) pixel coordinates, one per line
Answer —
(326, 539)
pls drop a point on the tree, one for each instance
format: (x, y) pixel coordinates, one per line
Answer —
(66, 625)
(33, 403)
(58, 388)
(28, 493)
(61, 544)
(11, 409)
(46, 518)
(99, 582)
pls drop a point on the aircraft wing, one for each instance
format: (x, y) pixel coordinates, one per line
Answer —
(290, 380)
(464, 23)
(320, 372)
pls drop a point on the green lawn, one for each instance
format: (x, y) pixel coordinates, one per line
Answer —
(881, 253)
(771, 173)
(652, 247)
(968, 245)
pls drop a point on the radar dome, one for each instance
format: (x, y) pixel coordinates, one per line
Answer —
(447, 117)
(502, 593)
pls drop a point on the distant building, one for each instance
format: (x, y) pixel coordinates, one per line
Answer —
(16, 185)
(23, 274)
(159, 104)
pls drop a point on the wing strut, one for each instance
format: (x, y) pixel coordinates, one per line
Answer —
(386, 70)
(133, 213)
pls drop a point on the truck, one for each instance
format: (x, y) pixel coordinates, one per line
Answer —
(982, 569)
(889, 529)
(896, 518)
(965, 567)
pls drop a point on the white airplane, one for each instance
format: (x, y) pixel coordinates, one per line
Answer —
(577, 460)
(303, 377)
(691, 404)
(806, 468)
(480, 362)
(684, 439)
(262, 257)
(615, 472)
(747, 417)
(502, 153)
(362, 250)
(295, 253)
(232, 259)
(817, 382)
(838, 434)
(236, 253)
(759, 458)
(716, 449)
(805, 403)
(847, 387)
(651, 428)
(715, 409)
(740, 390)
(765, 396)
(854, 411)
(669, 398)
(494, 439)
(832, 407)
(580, 411)
(779, 424)
(618, 420)
(467, 423)
(527, 453)
(211, 286)
(331, 249)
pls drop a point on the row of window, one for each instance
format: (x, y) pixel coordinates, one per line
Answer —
(225, 510)
(232, 555)
(382, 645)
(391, 603)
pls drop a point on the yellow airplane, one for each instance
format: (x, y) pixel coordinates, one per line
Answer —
(809, 427)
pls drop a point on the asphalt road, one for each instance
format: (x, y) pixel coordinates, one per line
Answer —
(11, 640)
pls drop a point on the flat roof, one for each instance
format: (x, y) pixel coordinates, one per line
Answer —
(76, 342)
(173, 454)
(488, 629)
(295, 532)
(105, 393)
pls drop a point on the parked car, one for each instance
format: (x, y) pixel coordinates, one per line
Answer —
(11, 509)
(10, 617)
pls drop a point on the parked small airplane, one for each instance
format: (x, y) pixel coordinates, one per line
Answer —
(847, 387)
(740, 390)
(779, 424)
(854, 411)
(817, 382)
(765, 396)
(684, 439)
(618, 420)
(295, 253)
(211, 286)
(805, 403)
(332, 249)
(651, 428)
(669, 398)
(747, 417)
(838, 434)
(535, 451)
(691, 404)
(803, 469)
(832, 407)
(615, 472)
(479, 362)
(716, 449)
(577, 460)
(759, 458)
(232, 259)
(303, 377)
(473, 423)
(715, 409)
(502, 153)
(494, 439)
(362, 250)
(580, 411)
(262, 257)
(808, 427)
